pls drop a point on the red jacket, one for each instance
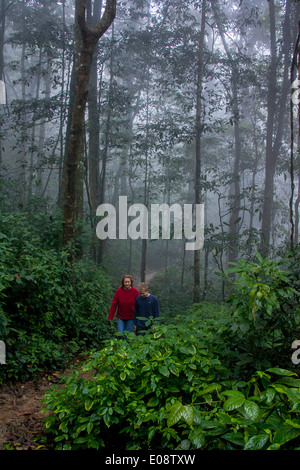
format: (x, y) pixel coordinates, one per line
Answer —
(124, 300)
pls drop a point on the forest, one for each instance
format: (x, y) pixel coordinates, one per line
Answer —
(158, 140)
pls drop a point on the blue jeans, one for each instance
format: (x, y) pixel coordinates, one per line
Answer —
(125, 325)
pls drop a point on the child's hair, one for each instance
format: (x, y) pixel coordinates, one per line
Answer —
(143, 286)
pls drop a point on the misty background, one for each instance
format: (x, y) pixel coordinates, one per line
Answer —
(189, 102)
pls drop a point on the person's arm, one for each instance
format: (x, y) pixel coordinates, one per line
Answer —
(113, 307)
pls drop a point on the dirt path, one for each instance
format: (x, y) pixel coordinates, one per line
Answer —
(21, 417)
(21, 414)
(148, 277)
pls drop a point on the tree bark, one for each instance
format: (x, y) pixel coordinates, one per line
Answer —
(198, 167)
(2, 35)
(85, 41)
(235, 187)
(274, 130)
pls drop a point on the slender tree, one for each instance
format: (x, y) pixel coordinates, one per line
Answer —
(235, 191)
(86, 39)
(198, 166)
(277, 106)
(2, 37)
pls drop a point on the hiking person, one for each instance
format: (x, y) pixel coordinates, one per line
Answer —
(123, 302)
(147, 306)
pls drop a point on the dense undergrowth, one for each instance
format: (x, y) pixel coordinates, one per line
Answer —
(49, 310)
(217, 377)
(168, 390)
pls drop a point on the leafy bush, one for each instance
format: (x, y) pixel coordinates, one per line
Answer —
(132, 385)
(48, 309)
(265, 314)
(168, 390)
(263, 413)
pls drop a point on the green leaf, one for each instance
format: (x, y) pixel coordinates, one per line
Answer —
(233, 393)
(269, 395)
(209, 389)
(178, 411)
(278, 371)
(256, 442)
(234, 402)
(157, 334)
(289, 381)
(174, 414)
(164, 371)
(174, 369)
(251, 409)
(285, 434)
(188, 415)
(153, 401)
(294, 395)
(274, 447)
(88, 404)
(89, 427)
(185, 444)
(235, 438)
(294, 423)
(123, 376)
(197, 438)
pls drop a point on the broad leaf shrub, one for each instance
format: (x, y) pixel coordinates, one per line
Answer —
(265, 313)
(133, 384)
(166, 390)
(48, 310)
(263, 413)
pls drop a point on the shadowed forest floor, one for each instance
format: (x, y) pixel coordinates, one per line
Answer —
(21, 417)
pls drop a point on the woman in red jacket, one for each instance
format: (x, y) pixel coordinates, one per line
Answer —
(124, 300)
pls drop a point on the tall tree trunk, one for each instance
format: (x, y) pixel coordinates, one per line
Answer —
(64, 145)
(63, 110)
(93, 118)
(104, 154)
(85, 41)
(2, 36)
(42, 130)
(23, 145)
(274, 129)
(294, 207)
(198, 166)
(235, 186)
(94, 15)
(146, 181)
(34, 128)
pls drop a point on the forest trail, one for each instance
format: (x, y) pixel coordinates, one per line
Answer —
(21, 414)
(21, 417)
(149, 275)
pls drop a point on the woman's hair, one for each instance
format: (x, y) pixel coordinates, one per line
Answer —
(124, 277)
